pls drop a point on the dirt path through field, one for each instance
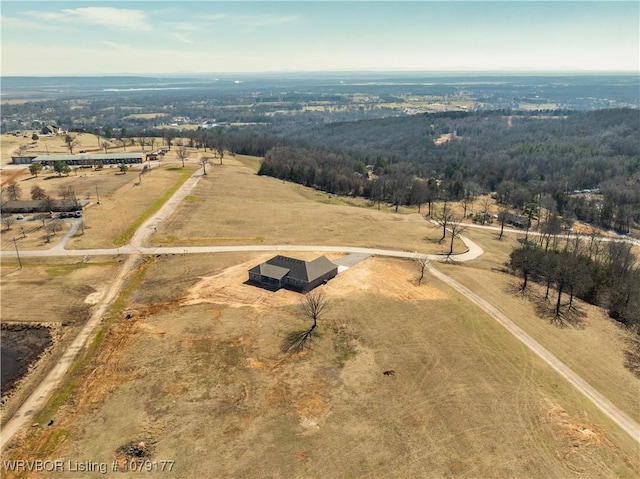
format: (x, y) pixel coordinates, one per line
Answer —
(630, 426)
(37, 400)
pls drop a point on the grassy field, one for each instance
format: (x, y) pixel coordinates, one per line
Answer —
(53, 292)
(124, 200)
(55, 144)
(199, 378)
(232, 205)
(594, 349)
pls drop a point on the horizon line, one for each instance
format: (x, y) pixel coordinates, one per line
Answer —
(325, 72)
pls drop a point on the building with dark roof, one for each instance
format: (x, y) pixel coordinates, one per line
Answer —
(285, 272)
(92, 159)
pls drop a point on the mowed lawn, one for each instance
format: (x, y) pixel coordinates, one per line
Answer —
(200, 379)
(233, 205)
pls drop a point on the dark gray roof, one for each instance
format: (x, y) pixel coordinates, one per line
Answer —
(270, 271)
(303, 270)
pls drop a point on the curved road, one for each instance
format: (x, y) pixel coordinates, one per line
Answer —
(39, 397)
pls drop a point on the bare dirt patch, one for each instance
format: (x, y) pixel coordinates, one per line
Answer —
(63, 302)
(207, 386)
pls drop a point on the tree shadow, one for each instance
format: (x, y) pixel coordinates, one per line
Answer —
(516, 289)
(567, 316)
(296, 341)
(632, 353)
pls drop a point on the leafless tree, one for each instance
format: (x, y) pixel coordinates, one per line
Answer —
(595, 244)
(105, 145)
(13, 191)
(502, 218)
(71, 142)
(54, 226)
(455, 229)
(485, 209)
(219, 142)
(37, 193)
(204, 161)
(8, 220)
(443, 218)
(422, 261)
(182, 152)
(314, 306)
(142, 142)
(42, 217)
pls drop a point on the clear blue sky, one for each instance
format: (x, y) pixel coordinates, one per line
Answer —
(109, 37)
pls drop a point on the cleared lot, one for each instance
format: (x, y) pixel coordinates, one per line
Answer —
(198, 377)
(232, 205)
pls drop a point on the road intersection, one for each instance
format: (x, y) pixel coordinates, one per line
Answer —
(136, 249)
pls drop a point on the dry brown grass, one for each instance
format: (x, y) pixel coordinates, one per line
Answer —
(123, 197)
(57, 293)
(232, 205)
(595, 350)
(206, 385)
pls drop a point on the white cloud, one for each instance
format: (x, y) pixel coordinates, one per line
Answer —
(254, 21)
(250, 21)
(107, 16)
(115, 45)
(180, 37)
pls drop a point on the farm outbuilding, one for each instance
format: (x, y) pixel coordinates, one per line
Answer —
(285, 272)
(89, 159)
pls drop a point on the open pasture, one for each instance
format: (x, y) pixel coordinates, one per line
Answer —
(200, 379)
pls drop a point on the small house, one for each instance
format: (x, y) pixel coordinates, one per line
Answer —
(298, 275)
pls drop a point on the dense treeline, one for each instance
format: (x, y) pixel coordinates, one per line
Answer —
(523, 158)
(604, 274)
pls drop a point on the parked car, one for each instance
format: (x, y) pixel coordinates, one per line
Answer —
(78, 214)
(63, 215)
(20, 217)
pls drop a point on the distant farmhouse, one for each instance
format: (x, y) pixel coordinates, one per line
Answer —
(285, 272)
(83, 159)
(51, 130)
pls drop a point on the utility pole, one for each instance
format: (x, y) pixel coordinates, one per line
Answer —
(97, 194)
(15, 243)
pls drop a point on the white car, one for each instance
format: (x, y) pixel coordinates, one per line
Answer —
(20, 217)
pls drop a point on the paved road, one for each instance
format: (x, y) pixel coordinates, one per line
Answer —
(38, 399)
(473, 251)
(612, 236)
(619, 417)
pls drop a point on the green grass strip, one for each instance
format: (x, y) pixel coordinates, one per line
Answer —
(125, 237)
(62, 394)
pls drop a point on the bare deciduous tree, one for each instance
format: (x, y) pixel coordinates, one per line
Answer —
(71, 143)
(37, 193)
(443, 218)
(54, 226)
(455, 229)
(13, 191)
(8, 220)
(314, 306)
(105, 145)
(422, 261)
(204, 161)
(182, 152)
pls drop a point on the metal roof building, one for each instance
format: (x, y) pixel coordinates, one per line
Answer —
(92, 159)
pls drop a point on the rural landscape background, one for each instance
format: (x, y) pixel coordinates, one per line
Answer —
(485, 223)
